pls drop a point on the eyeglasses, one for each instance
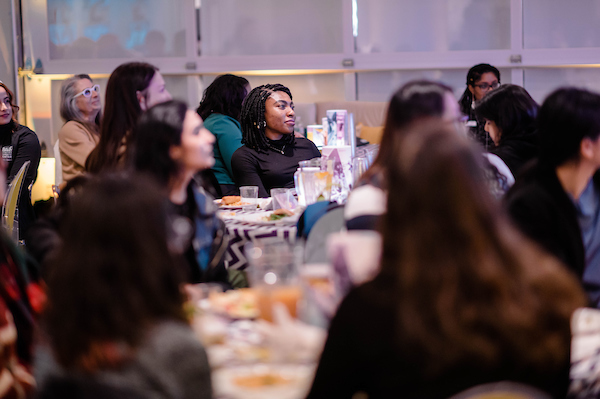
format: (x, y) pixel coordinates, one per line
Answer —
(88, 92)
(486, 86)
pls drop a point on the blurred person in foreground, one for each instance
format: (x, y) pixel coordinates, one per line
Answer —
(115, 312)
(21, 300)
(415, 100)
(171, 146)
(556, 202)
(461, 299)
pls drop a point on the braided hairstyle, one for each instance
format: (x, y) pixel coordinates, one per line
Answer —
(253, 119)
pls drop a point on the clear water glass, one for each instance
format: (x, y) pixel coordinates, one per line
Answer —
(249, 196)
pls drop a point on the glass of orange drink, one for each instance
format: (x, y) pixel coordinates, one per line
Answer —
(273, 274)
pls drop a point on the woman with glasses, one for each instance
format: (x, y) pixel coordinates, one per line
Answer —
(481, 79)
(19, 144)
(80, 108)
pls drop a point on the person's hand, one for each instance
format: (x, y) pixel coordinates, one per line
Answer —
(289, 338)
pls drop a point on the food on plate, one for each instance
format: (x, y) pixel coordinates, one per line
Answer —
(284, 212)
(279, 214)
(251, 353)
(239, 304)
(261, 380)
(232, 200)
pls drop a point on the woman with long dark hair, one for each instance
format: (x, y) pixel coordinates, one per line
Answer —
(462, 298)
(220, 109)
(115, 311)
(19, 144)
(481, 78)
(510, 115)
(132, 88)
(80, 108)
(270, 153)
(172, 146)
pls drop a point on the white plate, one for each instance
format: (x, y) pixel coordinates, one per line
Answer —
(260, 217)
(295, 384)
(262, 203)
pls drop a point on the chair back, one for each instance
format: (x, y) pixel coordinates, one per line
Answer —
(11, 201)
(315, 249)
(58, 178)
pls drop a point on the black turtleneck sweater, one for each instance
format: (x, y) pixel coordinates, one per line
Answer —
(269, 168)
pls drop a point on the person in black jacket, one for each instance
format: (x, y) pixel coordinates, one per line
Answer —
(555, 201)
(19, 145)
(510, 115)
(172, 145)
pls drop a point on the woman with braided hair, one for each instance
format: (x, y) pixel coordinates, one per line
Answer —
(270, 153)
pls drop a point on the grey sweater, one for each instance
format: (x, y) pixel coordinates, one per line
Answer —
(170, 363)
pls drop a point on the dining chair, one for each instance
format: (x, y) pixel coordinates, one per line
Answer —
(58, 178)
(10, 211)
(315, 249)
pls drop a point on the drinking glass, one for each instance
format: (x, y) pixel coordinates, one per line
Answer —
(249, 196)
(359, 166)
(371, 154)
(283, 198)
(273, 274)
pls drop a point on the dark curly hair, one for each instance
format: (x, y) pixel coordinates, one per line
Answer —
(253, 119)
(224, 96)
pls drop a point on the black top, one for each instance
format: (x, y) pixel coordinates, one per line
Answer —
(269, 168)
(20, 144)
(365, 352)
(518, 149)
(541, 208)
